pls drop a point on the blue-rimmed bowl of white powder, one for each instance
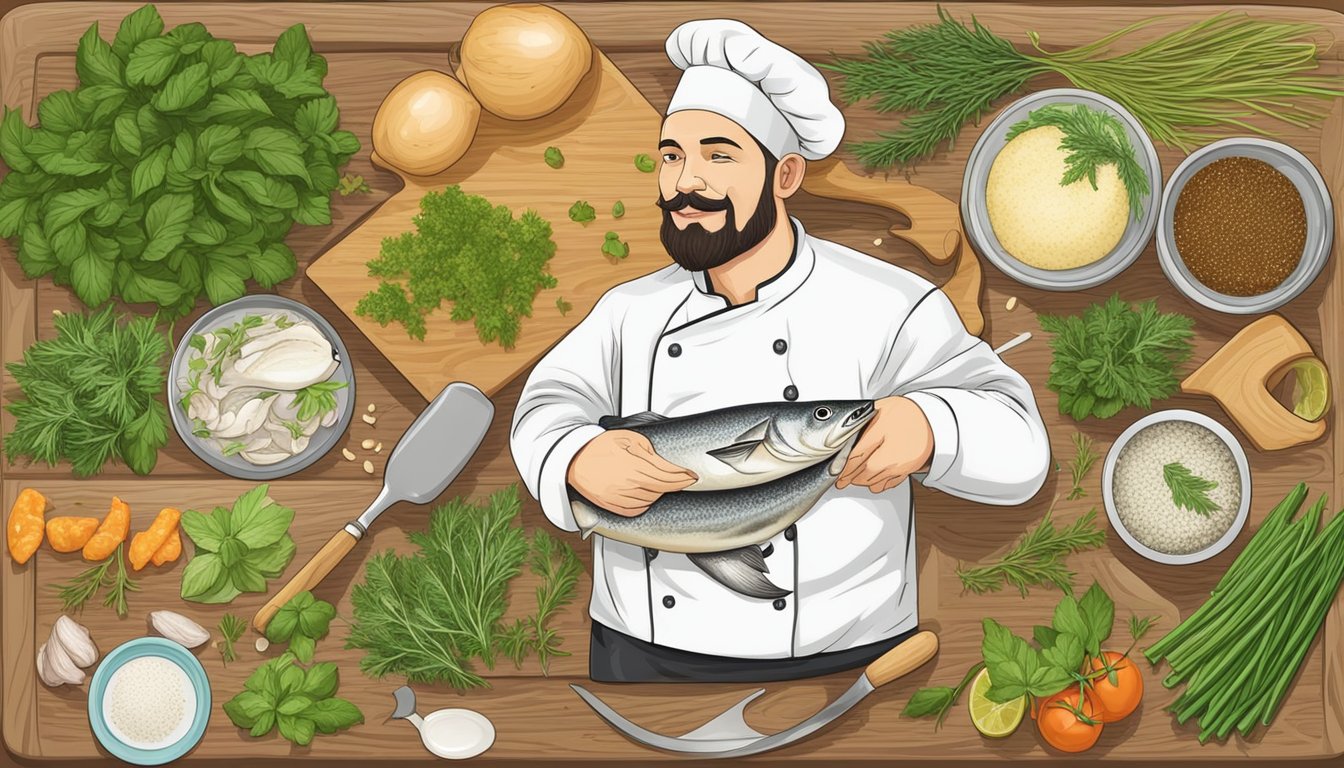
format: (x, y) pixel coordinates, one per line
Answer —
(149, 701)
(1148, 504)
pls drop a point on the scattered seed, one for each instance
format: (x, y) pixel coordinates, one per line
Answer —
(262, 644)
(372, 408)
(378, 448)
(1012, 303)
(57, 313)
(878, 241)
(369, 419)
(368, 467)
(367, 444)
(347, 454)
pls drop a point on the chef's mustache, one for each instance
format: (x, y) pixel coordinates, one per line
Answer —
(695, 200)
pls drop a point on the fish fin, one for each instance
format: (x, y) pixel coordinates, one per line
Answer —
(756, 434)
(746, 458)
(633, 420)
(741, 570)
(584, 515)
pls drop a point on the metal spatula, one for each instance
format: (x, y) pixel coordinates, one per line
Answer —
(435, 448)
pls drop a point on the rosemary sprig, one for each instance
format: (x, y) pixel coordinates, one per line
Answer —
(1138, 627)
(79, 590)
(559, 568)
(121, 584)
(1189, 490)
(231, 628)
(1083, 459)
(1038, 557)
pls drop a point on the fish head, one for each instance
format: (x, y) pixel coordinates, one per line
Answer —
(819, 428)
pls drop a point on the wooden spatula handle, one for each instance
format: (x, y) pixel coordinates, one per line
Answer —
(312, 574)
(903, 659)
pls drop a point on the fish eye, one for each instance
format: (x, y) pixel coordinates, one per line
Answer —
(822, 413)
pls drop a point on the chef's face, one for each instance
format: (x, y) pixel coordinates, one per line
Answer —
(716, 189)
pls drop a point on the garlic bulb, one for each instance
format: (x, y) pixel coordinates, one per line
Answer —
(179, 628)
(59, 666)
(75, 641)
(67, 649)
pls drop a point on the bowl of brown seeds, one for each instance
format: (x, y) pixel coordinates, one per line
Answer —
(1246, 225)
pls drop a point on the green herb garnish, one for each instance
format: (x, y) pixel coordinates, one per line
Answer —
(938, 700)
(237, 549)
(488, 264)
(554, 157)
(613, 247)
(175, 169)
(90, 395)
(1092, 138)
(946, 74)
(79, 590)
(1038, 557)
(1189, 490)
(1112, 356)
(231, 629)
(1083, 459)
(559, 568)
(582, 212)
(644, 163)
(562, 305)
(1138, 627)
(351, 184)
(300, 702)
(316, 399)
(301, 622)
(618, 210)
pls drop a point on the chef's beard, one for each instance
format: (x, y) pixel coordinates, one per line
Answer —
(696, 248)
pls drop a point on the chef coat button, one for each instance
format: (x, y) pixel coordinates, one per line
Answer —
(769, 550)
(791, 532)
(669, 601)
(781, 346)
(790, 392)
(649, 554)
(780, 604)
(674, 350)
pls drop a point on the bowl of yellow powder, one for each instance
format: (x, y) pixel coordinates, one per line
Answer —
(1062, 190)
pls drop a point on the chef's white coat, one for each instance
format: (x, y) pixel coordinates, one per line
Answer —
(835, 323)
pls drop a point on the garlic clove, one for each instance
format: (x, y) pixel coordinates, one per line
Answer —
(60, 666)
(75, 640)
(179, 628)
(42, 671)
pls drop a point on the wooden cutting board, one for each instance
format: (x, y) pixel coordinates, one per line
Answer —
(600, 130)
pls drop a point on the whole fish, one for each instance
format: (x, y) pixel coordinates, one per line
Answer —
(749, 444)
(720, 530)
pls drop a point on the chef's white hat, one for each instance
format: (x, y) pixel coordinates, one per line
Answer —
(776, 96)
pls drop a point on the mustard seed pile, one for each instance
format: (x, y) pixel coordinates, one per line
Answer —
(1240, 226)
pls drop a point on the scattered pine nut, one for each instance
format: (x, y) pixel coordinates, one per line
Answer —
(378, 448)
(369, 419)
(372, 408)
(878, 241)
(57, 313)
(262, 644)
(367, 444)
(1012, 303)
(347, 454)
(368, 467)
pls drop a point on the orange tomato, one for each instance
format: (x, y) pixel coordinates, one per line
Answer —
(1061, 728)
(1114, 701)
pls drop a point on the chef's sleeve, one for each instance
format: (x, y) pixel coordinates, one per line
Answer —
(989, 444)
(572, 387)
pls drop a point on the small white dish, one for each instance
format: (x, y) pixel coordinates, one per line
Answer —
(456, 734)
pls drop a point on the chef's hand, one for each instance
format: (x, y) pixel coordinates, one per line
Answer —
(895, 443)
(619, 471)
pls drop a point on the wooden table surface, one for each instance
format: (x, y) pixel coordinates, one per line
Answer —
(370, 47)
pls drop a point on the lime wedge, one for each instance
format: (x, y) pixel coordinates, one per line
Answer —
(991, 718)
(1311, 389)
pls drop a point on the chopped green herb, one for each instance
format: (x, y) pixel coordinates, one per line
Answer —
(554, 157)
(1038, 557)
(295, 429)
(1083, 459)
(618, 210)
(231, 628)
(233, 448)
(582, 212)
(614, 248)
(644, 163)
(563, 306)
(317, 399)
(1189, 490)
(353, 184)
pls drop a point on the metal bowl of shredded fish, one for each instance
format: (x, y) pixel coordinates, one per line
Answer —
(322, 440)
(975, 214)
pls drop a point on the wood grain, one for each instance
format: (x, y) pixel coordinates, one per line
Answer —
(370, 47)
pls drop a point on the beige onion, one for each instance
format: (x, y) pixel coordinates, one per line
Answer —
(425, 124)
(523, 61)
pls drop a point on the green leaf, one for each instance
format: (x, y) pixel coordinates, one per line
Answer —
(1069, 619)
(227, 204)
(276, 151)
(201, 575)
(1044, 636)
(247, 577)
(266, 528)
(1098, 610)
(317, 116)
(273, 265)
(314, 210)
(1049, 680)
(91, 277)
(15, 136)
(127, 134)
(94, 61)
(302, 646)
(554, 157)
(60, 112)
(315, 620)
(273, 560)
(203, 530)
(582, 212)
(236, 107)
(67, 207)
(293, 48)
(12, 216)
(1189, 490)
(143, 437)
(166, 222)
(206, 231)
(245, 708)
(1066, 653)
(320, 682)
(294, 703)
(346, 144)
(644, 163)
(231, 551)
(184, 89)
(149, 173)
(136, 28)
(269, 192)
(614, 248)
(220, 144)
(618, 210)
(222, 285)
(332, 715)
(927, 702)
(152, 61)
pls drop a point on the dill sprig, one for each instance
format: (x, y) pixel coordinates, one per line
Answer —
(559, 568)
(1211, 74)
(1092, 139)
(1189, 490)
(1038, 557)
(1083, 459)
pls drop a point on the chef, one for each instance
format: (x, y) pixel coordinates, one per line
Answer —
(754, 309)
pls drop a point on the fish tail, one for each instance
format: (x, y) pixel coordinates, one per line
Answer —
(741, 570)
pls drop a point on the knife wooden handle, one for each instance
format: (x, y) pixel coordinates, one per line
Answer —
(312, 574)
(903, 659)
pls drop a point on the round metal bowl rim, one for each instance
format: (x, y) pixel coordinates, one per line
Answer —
(308, 456)
(1243, 470)
(1008, 264)
(1284, 292)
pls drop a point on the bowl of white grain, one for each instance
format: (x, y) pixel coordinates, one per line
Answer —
(1177, 487)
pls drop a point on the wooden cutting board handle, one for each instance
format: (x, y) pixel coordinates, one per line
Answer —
(1241, 374)
(903, 659)
(309, 576)
(935, 227)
